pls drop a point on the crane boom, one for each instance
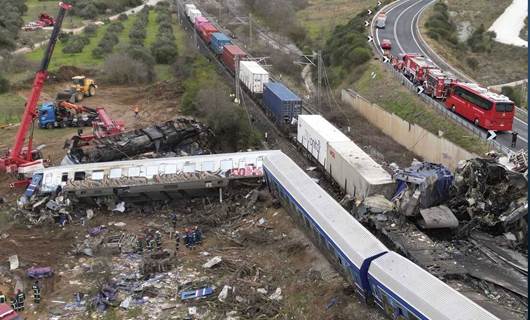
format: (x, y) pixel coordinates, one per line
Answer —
(17, 155)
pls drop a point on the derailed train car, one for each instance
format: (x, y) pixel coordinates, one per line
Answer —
(399, 287)
(350, 167)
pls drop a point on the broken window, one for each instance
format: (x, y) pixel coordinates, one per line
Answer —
(134, 172)
(64, 177)
(208, 166)
(151, 171)
(79, 176)
(97, 175)
(189, 167)
(170, 169)
(115, 173)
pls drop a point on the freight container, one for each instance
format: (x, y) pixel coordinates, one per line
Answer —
(206, 30)
(188, 7)
(253, 76)
(200, 20)
(314, 133)
(356, 172)
(218, 41)
(230, 52)
(281, 102)
(194, 14)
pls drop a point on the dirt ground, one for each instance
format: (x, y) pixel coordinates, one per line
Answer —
(260, 246)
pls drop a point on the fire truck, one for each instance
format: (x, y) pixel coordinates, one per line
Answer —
(415, 67)
(437, 83)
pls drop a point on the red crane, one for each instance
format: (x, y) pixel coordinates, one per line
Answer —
(21, 157)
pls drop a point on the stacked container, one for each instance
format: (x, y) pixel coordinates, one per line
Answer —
(199, 20)
(230, 53)
(194, 13)
(253, 76)
(281, 102)
(205, 30)
(218, 41)
(188, 7)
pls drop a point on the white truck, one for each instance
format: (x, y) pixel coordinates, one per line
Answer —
(381, 20)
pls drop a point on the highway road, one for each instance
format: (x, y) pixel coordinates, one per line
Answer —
(402, 29)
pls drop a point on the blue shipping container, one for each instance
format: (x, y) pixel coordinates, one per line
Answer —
(281, 102)
(218, 41)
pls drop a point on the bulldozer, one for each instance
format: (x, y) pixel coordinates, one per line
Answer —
(81, 87)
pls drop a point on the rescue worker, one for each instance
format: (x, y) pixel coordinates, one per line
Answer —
(20, 299)
(2, 297)
(36, 292)
(177, 241)
(158, 240)
(187, 238)
(514, 139)
(136, 111)
(174, 220)
(140, 245)
(197, 235)
(14, 303)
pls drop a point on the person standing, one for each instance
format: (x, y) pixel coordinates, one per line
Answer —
(514, 139)
(36, 292)
(20, 299)
(177, 241)
(2, 297)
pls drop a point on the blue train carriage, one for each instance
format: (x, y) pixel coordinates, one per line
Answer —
(407, 292)
(345, 242)
(281, 104)
(218, 41)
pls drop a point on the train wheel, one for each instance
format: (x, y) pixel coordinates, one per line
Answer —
(49, 125)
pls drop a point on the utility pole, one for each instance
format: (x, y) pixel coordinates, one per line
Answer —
(315, 60)
(236, 77)
(178, 11)
(319, 78)
(250, 28)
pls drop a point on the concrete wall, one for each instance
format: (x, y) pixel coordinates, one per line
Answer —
(429, 146)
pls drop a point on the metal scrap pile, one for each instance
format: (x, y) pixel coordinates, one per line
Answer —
(182, 134)
(490, 196)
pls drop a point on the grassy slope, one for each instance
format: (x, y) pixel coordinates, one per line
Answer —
(397, 99)
(504, 64)
(321, 16)
(11, 108)
(35, 7)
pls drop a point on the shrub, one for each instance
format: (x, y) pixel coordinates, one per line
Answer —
(90, 30)
(115, 27)
(120, 68)
(123, 17)
(75, 44)
(141, 54)
(4, 85)
(440, 26)
(164, 52)
(97, 53)
(472, 63)
(89, 12)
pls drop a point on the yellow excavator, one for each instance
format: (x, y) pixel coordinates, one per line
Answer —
(81, 87)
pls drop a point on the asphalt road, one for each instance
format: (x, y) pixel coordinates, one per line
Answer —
(402, 29)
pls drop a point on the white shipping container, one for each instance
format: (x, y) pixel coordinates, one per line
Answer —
(356, 172)
(314, 133)
(194, 13)
(253, 76)
(188, 7)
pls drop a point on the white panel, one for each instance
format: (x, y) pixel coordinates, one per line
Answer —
(97, 175)
(115, 173)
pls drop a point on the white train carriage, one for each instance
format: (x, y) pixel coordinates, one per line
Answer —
(347, 243)
(193, 172)
(407, 292)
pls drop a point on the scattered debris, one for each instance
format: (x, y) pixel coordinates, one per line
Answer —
(437, 217)
(13, 262)
(277, 295)
(39, 272)
(212, 262)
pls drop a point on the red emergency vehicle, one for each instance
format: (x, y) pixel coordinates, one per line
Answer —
(415, 67)
(7, 313)
(484, 108)
(437, 83)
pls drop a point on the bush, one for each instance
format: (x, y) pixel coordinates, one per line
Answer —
(115, 27)
(141, 54)
(97, 53)
(361, 55)
(480, 40)
(123, 17)
(89, 12)
(4, 85)
(120, 68)
(90, 30)
(164, 52)
(76, 44)
(440, 26)
(472, 63)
